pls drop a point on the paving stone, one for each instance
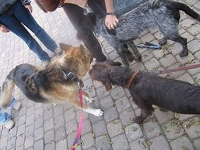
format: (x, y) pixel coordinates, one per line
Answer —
(181, 143)
(30, 110)
(11, 143)
(146, 56)
(30, 130)
(4, 132)
(50, 146)
(151, 129)
(110, 114)
(58, 110)
(101, 92)
(12, 132)
(99, 128)
(21, 130)
(87, 126)
(88, 141)
(163, 117)
(152, 64)
(20, 141)
(172, 129)
(192, 127)
(49, 136)
(48, 114)
(103, 142)
(59, 121)
(39, 122)
(3, 142)
(120, 142)
(133, 132)
(127, 116)
(106, 102)
(30, 120)
(62, 144)
(117, 92)
(139, 144)
(39, 145)
(60, 134)
(186, 77)
(38, 112)
(48, 124)
(167, 61)
(71, 126)
(122, 104)
(197, 143)
(28, 142)
(114, 128)
(69, 114)
(39, 133)
(155, 142)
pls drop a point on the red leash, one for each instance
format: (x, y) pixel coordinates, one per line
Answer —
(177, 69)
(80, 127)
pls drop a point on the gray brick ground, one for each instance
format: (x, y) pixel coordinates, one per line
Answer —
(53, 127)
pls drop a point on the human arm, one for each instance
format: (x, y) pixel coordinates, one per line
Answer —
(81, 3)
(111, 19)
(27, 4)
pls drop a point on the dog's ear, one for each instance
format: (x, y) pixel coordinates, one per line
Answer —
(64, 46)
(30, 84)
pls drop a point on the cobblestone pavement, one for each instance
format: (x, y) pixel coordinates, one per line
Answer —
(50, 127)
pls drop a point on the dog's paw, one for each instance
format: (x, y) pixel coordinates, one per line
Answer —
(138, 119)
(89, 100)
(183, 53)
(138, 58)
(96, 112)
(162, 41)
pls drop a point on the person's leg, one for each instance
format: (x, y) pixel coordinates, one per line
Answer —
(84, 30)
(24, 16)
(16, 27)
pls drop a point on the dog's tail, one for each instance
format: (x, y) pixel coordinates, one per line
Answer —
(7, 90)
(186, 9)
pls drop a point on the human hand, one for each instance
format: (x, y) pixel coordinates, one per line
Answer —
(111, 21)
(29, 7)
(3, 29)
(81, 3)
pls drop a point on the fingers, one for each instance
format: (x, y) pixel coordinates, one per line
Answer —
(111, 21)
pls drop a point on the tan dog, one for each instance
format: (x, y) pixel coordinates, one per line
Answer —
(58, 82)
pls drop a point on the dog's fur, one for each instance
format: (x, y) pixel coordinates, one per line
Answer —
(161, 14)
(51, 84)
(148, 89)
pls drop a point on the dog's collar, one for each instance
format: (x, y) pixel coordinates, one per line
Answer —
(71, 76)
(131, 79)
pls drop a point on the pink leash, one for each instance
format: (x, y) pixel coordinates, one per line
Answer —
(80, 126)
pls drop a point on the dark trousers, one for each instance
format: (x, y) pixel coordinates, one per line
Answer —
(84, 28)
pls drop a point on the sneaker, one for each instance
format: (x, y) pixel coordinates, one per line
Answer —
(45, 63)
(58, 51)
(17, 105)
(9, 125)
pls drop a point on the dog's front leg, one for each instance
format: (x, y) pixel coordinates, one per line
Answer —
(87, 97)
(121, 51)
(96, 112)
(138, 56)
(143, 115)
